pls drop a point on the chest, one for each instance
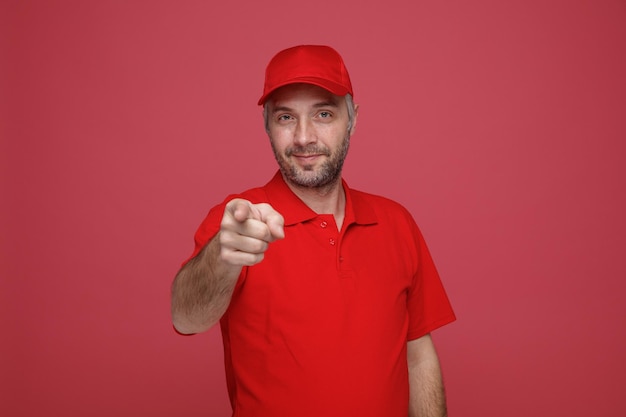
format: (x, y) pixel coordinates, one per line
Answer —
(319, 276)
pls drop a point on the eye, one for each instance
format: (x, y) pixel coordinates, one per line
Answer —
(325, 114)
(284, 118)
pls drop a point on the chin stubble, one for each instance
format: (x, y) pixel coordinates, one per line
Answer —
(328, 173)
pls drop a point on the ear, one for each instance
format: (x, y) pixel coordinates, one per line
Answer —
(265, 117)
(356, 116)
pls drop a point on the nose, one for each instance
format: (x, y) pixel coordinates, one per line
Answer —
(304, 133)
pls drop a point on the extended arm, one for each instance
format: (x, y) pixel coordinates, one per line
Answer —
(203, 287)
(427, 396)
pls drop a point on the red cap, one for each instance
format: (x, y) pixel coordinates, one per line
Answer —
(309, 64)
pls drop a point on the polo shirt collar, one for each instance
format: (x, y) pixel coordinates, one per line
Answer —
(294, 210)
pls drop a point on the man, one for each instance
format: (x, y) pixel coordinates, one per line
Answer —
(326, 296)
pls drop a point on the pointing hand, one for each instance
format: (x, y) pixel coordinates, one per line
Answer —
(247, 230)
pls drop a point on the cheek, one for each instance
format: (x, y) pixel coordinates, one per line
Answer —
(338, 135)
(279, 143)
(279, 134)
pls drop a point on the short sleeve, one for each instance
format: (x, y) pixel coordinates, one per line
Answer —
(428, 304)
(208, 228)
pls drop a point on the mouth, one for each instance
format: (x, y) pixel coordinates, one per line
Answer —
(307, 159)
(307, 156)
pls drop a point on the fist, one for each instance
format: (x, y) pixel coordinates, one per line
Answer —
(247, 230)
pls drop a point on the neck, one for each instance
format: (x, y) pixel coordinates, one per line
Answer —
(329, 199)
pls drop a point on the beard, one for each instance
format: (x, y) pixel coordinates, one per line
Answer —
(308, 176)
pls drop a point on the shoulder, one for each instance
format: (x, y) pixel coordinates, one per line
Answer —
(263, 194)
(254, 195)
(371, 208)
(381, 205)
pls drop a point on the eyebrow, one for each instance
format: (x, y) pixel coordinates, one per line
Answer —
(331, 103)
(321, 104)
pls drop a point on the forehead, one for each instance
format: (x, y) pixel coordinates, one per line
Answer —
(293, 94)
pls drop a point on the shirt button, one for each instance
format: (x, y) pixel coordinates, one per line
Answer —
(331, 241)
(323, 224)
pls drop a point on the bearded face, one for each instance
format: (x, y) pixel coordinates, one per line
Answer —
(309, 130)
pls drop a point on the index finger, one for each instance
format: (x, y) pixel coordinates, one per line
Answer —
(242, 210)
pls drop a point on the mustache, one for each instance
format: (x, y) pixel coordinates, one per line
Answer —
(311, 149)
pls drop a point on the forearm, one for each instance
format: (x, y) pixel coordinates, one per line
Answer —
(427, 394)
(202, 290)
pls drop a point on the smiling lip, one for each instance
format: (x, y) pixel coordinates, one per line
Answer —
(307, 158)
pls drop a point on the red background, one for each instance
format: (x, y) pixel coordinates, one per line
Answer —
(500, 125)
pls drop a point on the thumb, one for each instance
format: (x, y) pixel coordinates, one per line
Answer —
(273, 219)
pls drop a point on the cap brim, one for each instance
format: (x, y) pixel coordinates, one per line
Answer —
(336, 89)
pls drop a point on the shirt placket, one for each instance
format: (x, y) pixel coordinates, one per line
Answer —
(328, 232)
